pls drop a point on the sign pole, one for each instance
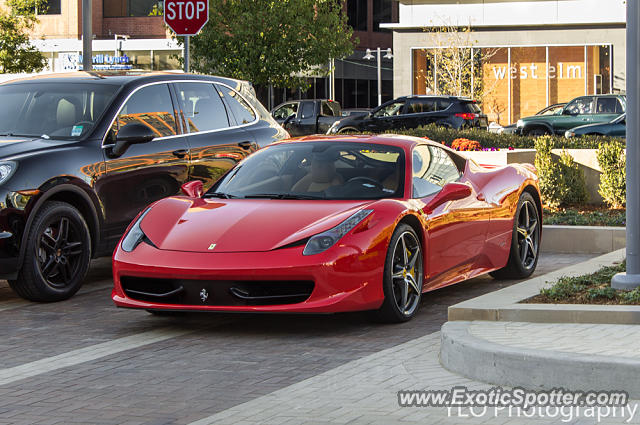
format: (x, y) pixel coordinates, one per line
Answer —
(87, 36)
(186, 53)
(631, 279)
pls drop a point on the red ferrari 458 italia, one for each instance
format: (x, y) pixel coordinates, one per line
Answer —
(328, 224)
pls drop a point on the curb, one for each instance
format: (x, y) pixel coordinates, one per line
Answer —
(504, 305)
(582, 239)
(478, 359)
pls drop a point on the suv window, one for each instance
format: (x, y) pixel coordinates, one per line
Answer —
(608, 105)
(307, 109)
(390, 110)
(202, 107)
(580, 106)
(443, 104)
(242, 112)
(151, 106)
(420, 106)
(432, 169)
(471, 107)
(285, 111)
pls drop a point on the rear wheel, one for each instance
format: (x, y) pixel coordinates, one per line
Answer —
(538, 131)
(525, 241)
(57, 254)
(403, 274)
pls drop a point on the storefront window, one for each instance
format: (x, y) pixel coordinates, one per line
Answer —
(122, 8)
(515, 82)
(51, 7)
(165, 59)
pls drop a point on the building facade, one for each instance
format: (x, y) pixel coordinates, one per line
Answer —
(528, 54)
(131, 34)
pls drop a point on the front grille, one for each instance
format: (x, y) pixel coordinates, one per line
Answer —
(217, 292)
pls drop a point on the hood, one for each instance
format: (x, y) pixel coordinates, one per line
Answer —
(240, 225)
(11, 146)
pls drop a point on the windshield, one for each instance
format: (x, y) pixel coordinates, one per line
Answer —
(52, 110)
(317, 170)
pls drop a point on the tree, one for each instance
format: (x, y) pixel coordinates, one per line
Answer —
(17, 54)
(278, 42)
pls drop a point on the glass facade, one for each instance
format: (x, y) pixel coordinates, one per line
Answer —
(122, 8)
(357, 14)
(514, 82)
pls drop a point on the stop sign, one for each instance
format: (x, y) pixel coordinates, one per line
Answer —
(186, 17)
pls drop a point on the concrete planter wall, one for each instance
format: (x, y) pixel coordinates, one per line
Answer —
(585, 158)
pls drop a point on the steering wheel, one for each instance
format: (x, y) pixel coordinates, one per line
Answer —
(366, 180)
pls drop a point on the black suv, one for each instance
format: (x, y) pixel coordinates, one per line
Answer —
(82, 154)
(415, 111)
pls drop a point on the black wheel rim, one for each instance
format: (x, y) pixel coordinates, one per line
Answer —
(59, 251)
(407, 273)
(528, 235)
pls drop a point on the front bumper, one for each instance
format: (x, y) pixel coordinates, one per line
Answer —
(344, 278)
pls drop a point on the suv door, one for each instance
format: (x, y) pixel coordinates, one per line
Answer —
(215, 145)
(327, 117)
(421, 112)
(577, 112)
(386, 117)
(607, 108)
(145, 172)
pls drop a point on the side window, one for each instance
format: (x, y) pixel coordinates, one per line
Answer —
(606, 105)
(432, 169)
(619, 107)
(326, 110)
(421, 106)
(150, 106)
(443, 104)
(390, 110)
(580, 106)
(307, 109)
(202, 107)
(240, 109)
(283, 112)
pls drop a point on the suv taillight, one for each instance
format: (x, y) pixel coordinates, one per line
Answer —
(467, 116)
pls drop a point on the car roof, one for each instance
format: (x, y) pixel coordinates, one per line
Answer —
(433, 96)
(116, 77)
(397, 140)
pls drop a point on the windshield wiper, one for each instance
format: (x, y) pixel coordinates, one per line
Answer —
(283, 196)
(219, 195)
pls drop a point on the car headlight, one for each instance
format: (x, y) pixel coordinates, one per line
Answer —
(569, 134)
(135, 235)
(520, 123)
(325, 240)
(7, 168)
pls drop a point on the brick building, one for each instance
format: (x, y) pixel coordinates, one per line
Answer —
(541, 51)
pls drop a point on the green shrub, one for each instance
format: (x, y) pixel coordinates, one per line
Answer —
(613, 183)
(561, 182)
(602, 292)
(494, 140)
(564, 288)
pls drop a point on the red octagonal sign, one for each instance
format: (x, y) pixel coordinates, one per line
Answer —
(186, 17)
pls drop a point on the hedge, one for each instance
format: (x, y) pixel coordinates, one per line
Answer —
(613, 181)
(494, 140)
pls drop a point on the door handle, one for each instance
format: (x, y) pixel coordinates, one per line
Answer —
(245, 145)
(180, 153)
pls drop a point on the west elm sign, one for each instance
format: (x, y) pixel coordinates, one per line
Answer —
(562, 71)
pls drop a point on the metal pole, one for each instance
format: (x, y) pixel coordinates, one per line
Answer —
(631, 279)
(87, 36)
(379, 78)
(186, 53)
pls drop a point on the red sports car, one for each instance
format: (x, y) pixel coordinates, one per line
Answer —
(328, 224)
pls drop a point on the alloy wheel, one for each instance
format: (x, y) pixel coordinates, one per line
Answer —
(407, 273)
(528, 234)
(59, 251)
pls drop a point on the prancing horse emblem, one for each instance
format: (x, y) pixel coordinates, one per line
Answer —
(204, 295)
(212, 246)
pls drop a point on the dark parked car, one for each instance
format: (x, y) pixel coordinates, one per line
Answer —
(415, 111)
(304, 117)
(614, 128)
(580, 111)
(82, 154)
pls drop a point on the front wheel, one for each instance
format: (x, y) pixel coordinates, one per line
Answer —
(525, 241)
(537, 132)
(403, 274)
(57, 256)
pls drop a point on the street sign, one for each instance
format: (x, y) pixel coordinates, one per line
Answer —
(186, 17)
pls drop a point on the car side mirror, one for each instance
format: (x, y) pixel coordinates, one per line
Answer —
(193, 189)
(131, 134)
(450, 192)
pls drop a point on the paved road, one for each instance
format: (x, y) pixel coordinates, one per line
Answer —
(84, 361)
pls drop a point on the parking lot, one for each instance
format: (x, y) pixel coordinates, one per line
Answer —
(85, 361)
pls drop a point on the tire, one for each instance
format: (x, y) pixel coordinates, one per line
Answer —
(400, 279)
(537, 131)
(527, 240)
(348, 130)
(55, 263)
